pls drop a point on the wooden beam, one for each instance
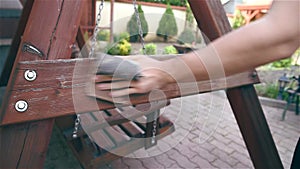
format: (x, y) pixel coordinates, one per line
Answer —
(53, 91)
(254, 127)
(51, 27)
(212, 20)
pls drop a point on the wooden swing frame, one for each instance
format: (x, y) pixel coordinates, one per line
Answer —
(25, 136)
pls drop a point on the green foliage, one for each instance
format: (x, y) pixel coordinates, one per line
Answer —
(132, 27)
(175, 2)
(186, 36)
(121, 36)
(86, 36)
(238, 20)
(171, 2)
(123, 47)
(267, 90)
(284, 63)
(167, 25)
(189, 17)
(150, 49)
(103, 35)
(296, 56)
(170, 50)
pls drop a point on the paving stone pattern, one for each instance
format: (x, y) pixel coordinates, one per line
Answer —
(207, 136)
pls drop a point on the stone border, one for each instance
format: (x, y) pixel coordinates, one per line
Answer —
(182, 8)
(276, 103)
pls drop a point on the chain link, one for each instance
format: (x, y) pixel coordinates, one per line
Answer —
(153, 138)
(96, 30)
(76, 126)
(138, 21)
(91, 54)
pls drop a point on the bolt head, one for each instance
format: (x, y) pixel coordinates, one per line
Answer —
(30, 75)
(21, 106)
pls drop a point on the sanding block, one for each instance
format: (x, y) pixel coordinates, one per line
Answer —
(117, 67)
(109, 69)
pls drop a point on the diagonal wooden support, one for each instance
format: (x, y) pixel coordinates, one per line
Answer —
(52, 28)
(212, 20)
(54, 35)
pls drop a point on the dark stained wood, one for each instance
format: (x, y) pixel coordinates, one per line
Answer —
(88, 13)
(57, 96)
(9, 141)
(212, 20)
(128, 127)
(46, 29)
(134, 144)
(80, 38)
(124, 144)
(55, 91)
(118, 117)
(254, 127)
(36, 144)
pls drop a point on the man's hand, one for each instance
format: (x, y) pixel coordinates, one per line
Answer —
(153, 76)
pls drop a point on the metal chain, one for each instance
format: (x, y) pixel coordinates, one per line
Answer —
(76, 126)
(138, 21)
(91, 54)
(153, 138)
(96, 30)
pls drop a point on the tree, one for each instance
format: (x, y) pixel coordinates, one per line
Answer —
(167, 25)
(132, 27)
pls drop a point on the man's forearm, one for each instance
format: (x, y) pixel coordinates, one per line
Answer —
(261, 42)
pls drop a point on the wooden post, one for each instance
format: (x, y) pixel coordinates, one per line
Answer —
(52, 28)
(212, 20)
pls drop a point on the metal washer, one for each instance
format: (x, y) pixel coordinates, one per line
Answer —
(30, 75)
(21, 106)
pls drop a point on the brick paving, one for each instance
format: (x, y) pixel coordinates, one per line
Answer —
(207, 136)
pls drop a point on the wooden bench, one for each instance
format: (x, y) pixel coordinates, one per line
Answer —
(108, 135)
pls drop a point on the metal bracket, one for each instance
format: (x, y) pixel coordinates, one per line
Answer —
(32, 49)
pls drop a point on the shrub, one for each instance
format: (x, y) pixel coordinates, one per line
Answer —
(189, 17)
(103, 35)
(123, 47)
(121, 36)
(186, 36)
(170, 50)
(150, 49)
(284, 63)
(238, 20)
(167, 25)
(267, 90)
(132, 27)
(171, 2)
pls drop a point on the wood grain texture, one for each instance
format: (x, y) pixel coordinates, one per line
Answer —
(46, 29)
(212, 20)
(254, 127)
(53, 93)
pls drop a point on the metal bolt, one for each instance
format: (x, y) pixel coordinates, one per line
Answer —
(254, 74)
(30, 75)
(21, 106)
